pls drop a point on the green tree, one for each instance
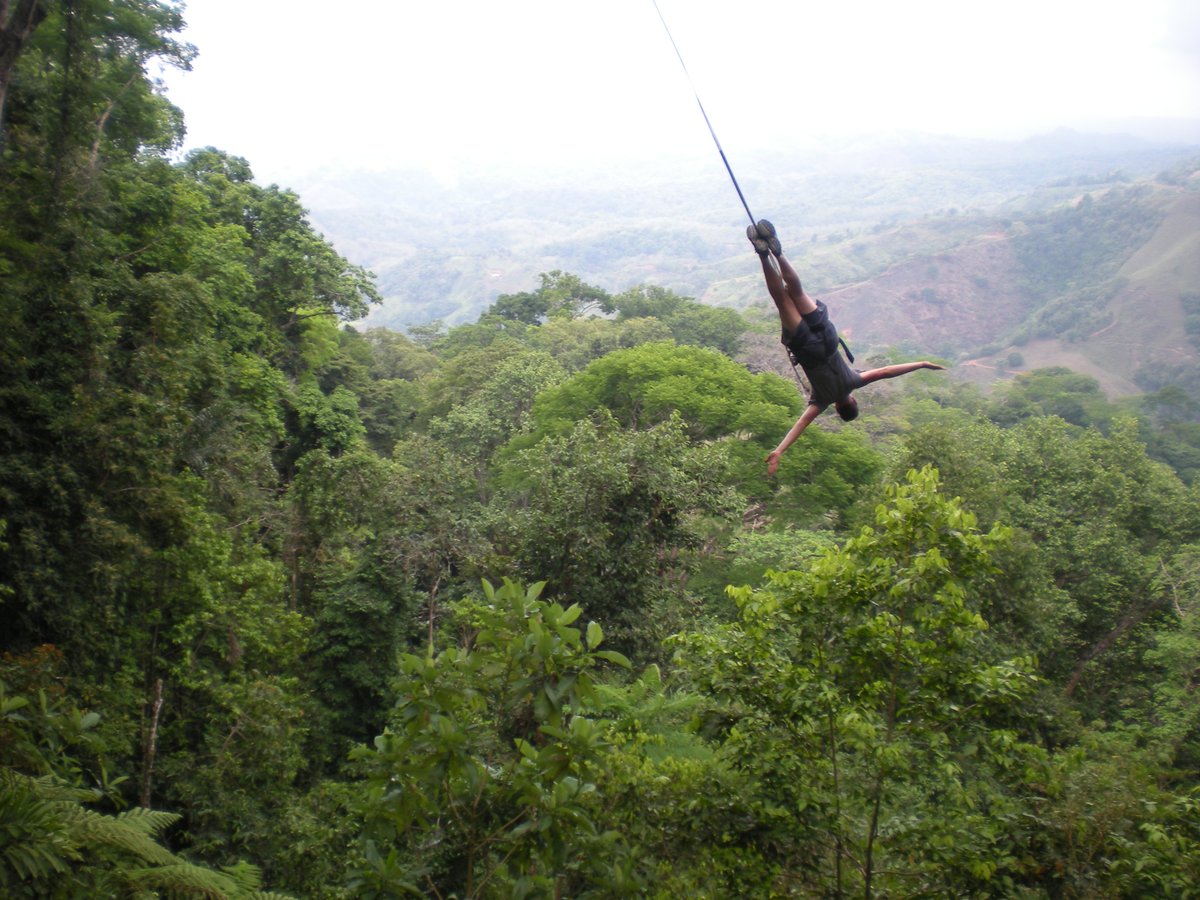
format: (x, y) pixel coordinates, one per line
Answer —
(690, 322)
(76, 89)
(484, 783)
(344, 509)
(560, 294)
(645, 385)
(166, 330)
(1054, 392)
(461, 374)
(500, 409)
(392, 398)
(1168, 717)
(611, 518)
(296, 276)
(439, 536)
(576, 342)
(862, 704)
(1095, 519)
(717, 400)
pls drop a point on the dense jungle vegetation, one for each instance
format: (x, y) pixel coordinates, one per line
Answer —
(336, 613)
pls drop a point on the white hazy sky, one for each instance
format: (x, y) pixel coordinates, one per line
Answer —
(294, 85)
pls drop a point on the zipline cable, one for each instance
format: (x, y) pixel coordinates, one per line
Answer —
(728, 169)
(725, 160)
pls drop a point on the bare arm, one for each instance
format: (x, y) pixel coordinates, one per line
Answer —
(810, 412)
(896, 371)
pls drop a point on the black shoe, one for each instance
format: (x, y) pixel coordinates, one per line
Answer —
(761, 246)
(766, 232)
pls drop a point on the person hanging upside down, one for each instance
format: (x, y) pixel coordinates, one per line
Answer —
(812, 342)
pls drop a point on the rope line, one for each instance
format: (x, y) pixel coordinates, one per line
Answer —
(711, 131)
(724, 159)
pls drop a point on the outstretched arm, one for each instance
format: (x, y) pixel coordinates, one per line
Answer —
(896, 371)
(810, 412)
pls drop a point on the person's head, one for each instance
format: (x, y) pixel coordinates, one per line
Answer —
(847, 408)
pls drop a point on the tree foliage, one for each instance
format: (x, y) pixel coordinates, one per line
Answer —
(55, 843)
(252, 537)
(689, 322)
(861, 702)
(560, 295)
(1100, 520)
(645, 385)
(611, 517)
(484, 783)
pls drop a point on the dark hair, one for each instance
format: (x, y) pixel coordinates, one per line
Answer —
(847, 409)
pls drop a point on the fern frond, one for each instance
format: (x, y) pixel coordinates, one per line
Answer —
(187, 879)
(45, 834)
(148, 821)
(247, 875)
(45, 787)
(91, 828)
(35, 842)
(249, 879)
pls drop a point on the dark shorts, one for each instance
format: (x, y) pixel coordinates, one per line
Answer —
(815, 338)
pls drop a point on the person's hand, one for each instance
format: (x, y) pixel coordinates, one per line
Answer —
(930, 365)
(773, 461)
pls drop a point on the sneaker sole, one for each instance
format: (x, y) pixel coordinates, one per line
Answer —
(761, 246)
(766, 231)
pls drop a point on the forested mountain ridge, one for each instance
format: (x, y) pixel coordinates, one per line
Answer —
(511, 608)
(915, 233)
(971, 250)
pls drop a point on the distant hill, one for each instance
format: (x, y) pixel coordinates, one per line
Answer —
(1066, 249)
(1100, 285)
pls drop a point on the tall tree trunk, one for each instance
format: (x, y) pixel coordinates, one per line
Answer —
(150, 751)
(18, 21)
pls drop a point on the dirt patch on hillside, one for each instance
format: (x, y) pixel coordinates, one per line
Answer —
(955, 299)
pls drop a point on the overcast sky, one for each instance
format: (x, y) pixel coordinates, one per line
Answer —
(294, 85)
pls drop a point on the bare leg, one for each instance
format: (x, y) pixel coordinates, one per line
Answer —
(796, 293)
(784, 286)
(789, 315)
